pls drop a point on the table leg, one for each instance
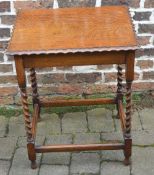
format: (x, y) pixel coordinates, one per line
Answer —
(130, 57)
(35, 95)
(127, 134)
(119, 86)
(27, 118)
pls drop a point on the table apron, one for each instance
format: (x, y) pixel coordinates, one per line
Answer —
(74, 59)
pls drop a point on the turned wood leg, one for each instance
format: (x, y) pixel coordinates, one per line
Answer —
(27, 118)
(127, 134)
(130, 57)
(35, 95)
(30, 140)
(119, 87)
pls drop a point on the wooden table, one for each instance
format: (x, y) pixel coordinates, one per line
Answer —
(71, 37)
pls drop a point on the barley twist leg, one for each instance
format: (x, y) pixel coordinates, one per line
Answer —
(119, 86)
(26, 114)
(30, 140)
(35, 95)
(127, 134)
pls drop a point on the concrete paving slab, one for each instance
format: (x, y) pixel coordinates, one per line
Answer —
(143, 138)
(49, 124)
(112, 136)
(100, 120)
(21, 163)
(85, 138)
(74, 122)
(3, 124)
(4, 167)
(143, 161)
(7, 147)
(117, 168)
(147, 118)
(60, 158)
(54, 169)
(84, 163)
(16, 126)
(112, 155)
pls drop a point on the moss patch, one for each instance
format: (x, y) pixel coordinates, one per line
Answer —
(140, 100)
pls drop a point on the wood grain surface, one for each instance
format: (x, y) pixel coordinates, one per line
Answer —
(40, 31)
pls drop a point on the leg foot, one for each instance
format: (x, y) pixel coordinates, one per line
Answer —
(32, 154)
(128, 151)
(33, 164)
(127, 161)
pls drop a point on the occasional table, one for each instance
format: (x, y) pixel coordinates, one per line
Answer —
(72, 37)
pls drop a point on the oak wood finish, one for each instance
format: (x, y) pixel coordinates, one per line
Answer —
(77, 102)
(119, 80)
(127, 133)
(119, 86)
(130, 57)
(69, 37)
(35, 95)
(22, 84)
(76, 59)
(71, 148)
(84, 29)
(32, 153)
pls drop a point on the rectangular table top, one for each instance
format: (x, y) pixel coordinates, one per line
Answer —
(44, 31)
